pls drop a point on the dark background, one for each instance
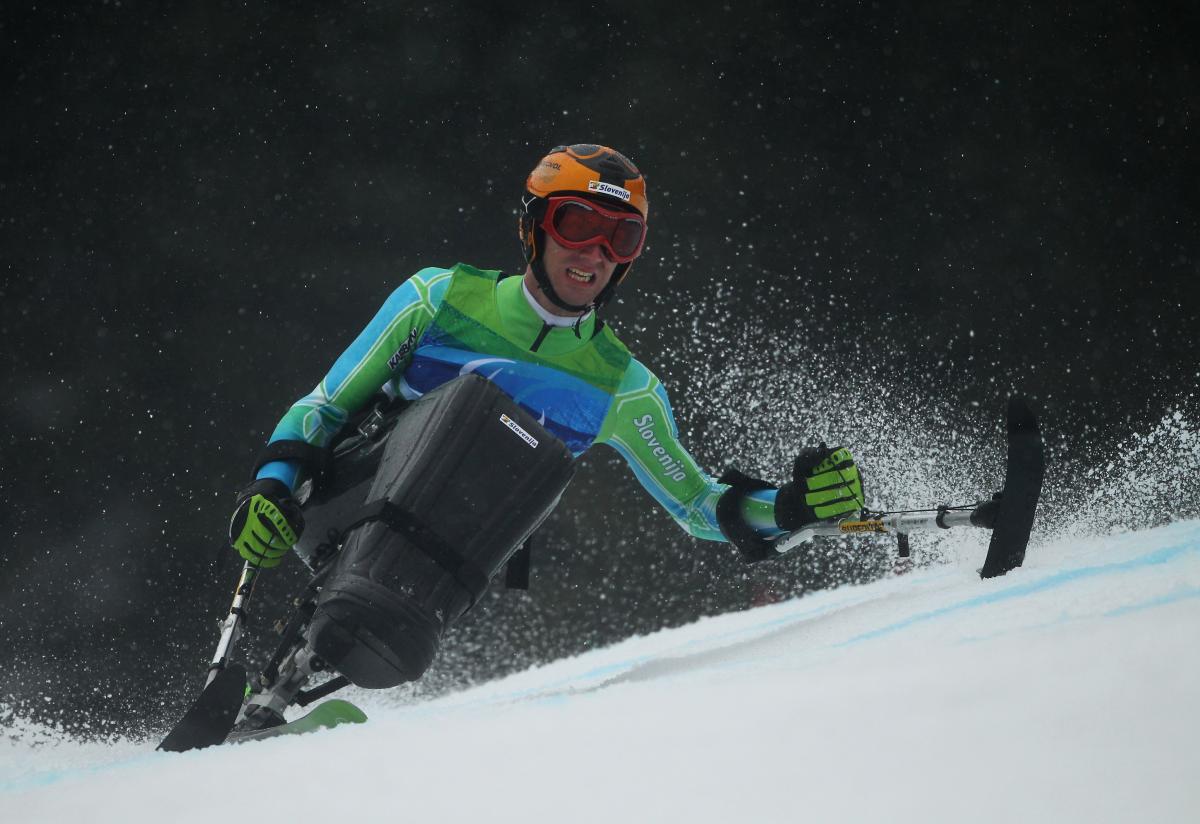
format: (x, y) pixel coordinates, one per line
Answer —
(923, 205)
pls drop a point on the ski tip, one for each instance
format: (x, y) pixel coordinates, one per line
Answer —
(345, 711)
(1020, 417)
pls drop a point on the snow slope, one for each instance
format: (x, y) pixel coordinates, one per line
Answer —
(1068, 690)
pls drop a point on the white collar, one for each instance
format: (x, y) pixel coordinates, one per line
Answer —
(548, 317)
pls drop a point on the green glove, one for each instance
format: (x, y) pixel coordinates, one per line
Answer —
(266, 523)
(825, 484)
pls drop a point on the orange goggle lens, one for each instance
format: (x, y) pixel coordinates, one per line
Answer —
(576, 223)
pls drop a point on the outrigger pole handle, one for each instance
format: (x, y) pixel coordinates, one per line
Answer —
(231, 627)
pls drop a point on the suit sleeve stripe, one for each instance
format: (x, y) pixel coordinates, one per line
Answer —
(363, 368)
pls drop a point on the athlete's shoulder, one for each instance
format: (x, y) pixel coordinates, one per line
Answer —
(431, 274)
(640, 378)
(430, 279)
(424, 289)
(475, 272)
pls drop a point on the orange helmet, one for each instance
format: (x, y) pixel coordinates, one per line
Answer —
(588, 170)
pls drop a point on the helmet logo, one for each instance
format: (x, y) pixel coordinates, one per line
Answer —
(608, 189)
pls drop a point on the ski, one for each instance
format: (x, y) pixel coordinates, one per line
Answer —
(1009, 514)
(325, 716)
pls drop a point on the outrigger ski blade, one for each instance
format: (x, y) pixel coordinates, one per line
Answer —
(1022, 488)
(211, 718)
(328, 715)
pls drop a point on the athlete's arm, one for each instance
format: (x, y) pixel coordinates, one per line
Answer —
(641, 427)
(380, 352)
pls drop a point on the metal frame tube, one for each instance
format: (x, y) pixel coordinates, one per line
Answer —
(231, 627)
(899, 523)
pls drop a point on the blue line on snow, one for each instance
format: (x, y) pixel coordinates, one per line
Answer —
(1160, 556)
(599, 674)
(1161, 600)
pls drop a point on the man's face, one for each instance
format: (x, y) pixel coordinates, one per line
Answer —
(577, 275)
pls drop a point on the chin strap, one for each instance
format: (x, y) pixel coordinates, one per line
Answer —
(543, 282)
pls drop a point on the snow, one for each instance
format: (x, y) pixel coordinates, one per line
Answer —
(1064, 691)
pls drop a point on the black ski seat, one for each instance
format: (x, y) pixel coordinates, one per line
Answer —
(466, 476)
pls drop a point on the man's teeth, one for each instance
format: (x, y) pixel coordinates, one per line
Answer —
(580, 275)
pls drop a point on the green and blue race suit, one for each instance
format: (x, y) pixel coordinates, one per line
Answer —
(581, 383)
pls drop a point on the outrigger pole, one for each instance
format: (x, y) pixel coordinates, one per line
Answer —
(211, 718)
(1009, 514)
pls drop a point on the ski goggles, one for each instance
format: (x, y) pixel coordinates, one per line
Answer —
(576, 223)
